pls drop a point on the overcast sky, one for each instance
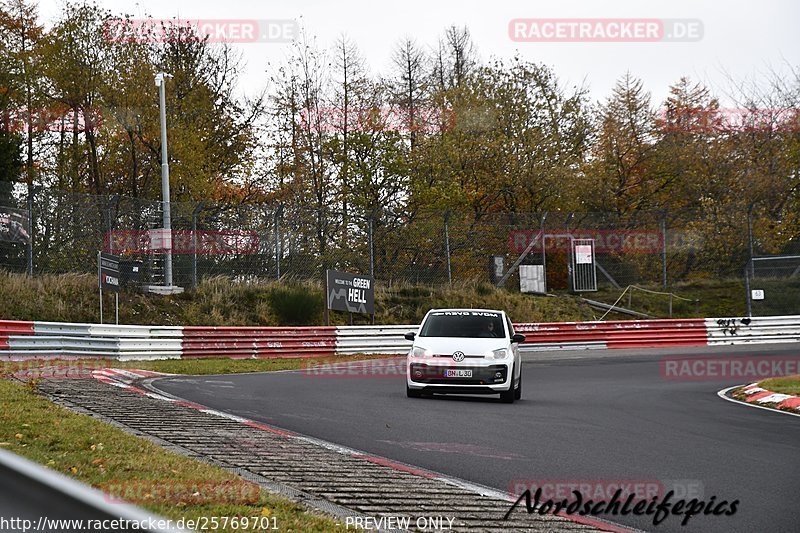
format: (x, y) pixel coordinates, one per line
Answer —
(745, 39)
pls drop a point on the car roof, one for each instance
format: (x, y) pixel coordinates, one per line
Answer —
(468, 309)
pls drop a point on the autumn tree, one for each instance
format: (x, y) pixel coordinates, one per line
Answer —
(409, 87)
(21, 34)
(619, 175)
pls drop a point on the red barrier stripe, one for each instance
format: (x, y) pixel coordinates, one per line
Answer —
(258, 342)
(250, 354)
(202, 331)
(656, 343)
(15, 327)
(620, 333)
(551, 327)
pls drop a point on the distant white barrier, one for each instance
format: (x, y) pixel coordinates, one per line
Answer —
(387, 340)
(753, 330)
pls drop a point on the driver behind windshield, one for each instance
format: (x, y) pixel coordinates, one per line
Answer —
(488, 330)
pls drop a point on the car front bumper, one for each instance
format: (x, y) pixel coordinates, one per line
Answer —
(488, 375)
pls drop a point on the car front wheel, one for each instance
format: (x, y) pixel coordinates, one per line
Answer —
(413, 393)
(508, 396)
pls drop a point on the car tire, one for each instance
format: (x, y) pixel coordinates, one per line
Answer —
(413, 393)
(518, 392)
(508, 396)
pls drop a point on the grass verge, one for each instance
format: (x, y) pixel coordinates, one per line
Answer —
(136, 469)
(783, 385)
(725, 297)
(63, 368)
(222, 302)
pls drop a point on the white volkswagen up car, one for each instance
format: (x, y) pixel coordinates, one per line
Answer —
(465, 351)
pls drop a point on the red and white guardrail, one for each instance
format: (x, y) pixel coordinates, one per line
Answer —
(54, 339)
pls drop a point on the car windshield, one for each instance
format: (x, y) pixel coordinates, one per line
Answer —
(471, 324)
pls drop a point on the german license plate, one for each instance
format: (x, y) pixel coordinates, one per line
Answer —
(457, 373)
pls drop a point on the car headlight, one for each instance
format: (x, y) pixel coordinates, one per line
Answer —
(502, 353)
(419, 351)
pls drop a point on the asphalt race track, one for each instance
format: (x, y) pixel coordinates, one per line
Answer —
(588, 416)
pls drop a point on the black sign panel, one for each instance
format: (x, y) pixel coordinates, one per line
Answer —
(350, 292)
(130, 272)
(109, 272)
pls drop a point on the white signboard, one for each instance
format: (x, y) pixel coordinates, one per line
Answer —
(583, 254)
(757, 294)
(160, 239)
(531, 278)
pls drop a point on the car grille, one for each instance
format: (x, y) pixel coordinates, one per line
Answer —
(433, 375)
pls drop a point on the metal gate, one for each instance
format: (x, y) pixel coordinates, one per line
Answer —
(584, 272)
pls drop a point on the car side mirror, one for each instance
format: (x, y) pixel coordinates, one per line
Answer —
(410, 336)
(518, 338)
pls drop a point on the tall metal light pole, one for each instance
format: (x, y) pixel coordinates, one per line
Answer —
(167, 230)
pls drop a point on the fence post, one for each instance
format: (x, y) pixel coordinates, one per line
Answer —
(195, 212)
(747, 287)
(30, 232)
(447, 247)
(112, 203)
(570, 285)
(371, 249)
(276, 220)
(664, 248)
(544, 250)
(750, 239)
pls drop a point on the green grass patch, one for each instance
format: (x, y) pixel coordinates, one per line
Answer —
(194, 367)
(160, 481)
(784, 385)
(297, 305)
(713, 298)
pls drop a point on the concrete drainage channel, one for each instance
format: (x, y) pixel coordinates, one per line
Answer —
(327, 478)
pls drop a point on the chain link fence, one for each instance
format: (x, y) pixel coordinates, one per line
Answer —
(248, 243)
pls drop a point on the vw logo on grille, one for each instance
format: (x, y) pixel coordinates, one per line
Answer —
(458, 356)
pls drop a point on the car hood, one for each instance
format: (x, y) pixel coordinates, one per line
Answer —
(470, 346)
